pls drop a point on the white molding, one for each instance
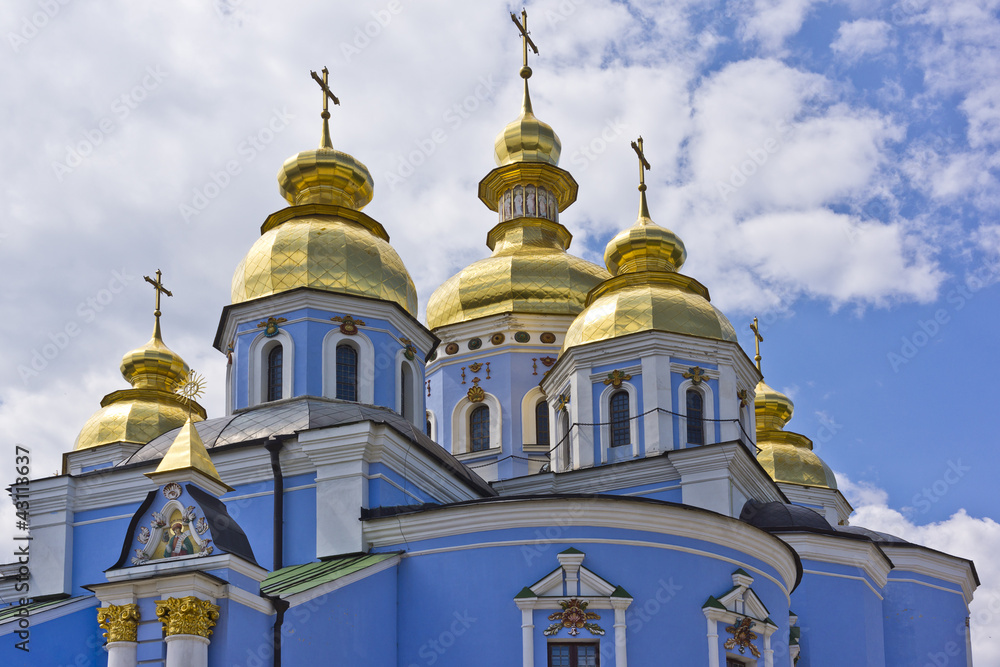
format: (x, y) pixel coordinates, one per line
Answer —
(708, 412)
(895, 580)
(135, 585)
(842, 551)
(594, 512)
(853, 577)
(366, 364)
(260, 347)
(460, 428)
(836, 509)
(921, 560)
(604, 417)
(634, 369)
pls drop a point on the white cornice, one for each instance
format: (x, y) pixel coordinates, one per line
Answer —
(815, 495)
(591, 512)
(842, 551)
(164, 584)
(929, 563)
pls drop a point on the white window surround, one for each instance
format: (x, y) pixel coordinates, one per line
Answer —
(529, 436)
(579, 582)
(561, 456)
(429, 416)
(605, 418)
(708, 411)
(257, 376)
(739, 603)
(460, 440)
(366, 364)
(416, 386)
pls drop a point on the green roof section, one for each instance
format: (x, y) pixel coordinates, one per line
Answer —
(525, 593)
(743, 572)
(571, 550)
(713, 603)
(299, 578)
(14, 611)
(621, 593)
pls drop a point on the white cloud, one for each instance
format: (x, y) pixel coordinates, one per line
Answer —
(860, 38)
(773, 21)
(977, 539)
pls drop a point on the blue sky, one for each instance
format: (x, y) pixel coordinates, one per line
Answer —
(831, 166)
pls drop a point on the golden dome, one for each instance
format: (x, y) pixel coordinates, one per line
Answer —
(645, 246)
(527, 139)
(528, 272)
(326, 247)
(787, 457)
(323, 240)
(147, 410)
(648, 301)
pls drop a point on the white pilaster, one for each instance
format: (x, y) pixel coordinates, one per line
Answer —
(527, 634)
(621, 648)
(186, 651)
(713, 644)
(729, 404)
(122, 654)
(658, 426)
(581, 408)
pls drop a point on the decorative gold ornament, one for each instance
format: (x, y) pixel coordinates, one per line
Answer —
(187, 616)
(410, 350)
(616, 377)
(696, 374)
(348, 325)
(498, 338)
(229, 351)
(463, 374)
(451, 348)
(158, 288)
(574, 615)
(548, 338)
(744, 397)
(324, 84)
(487, 370)
(757, 340)
(475, 367)
(270, 326)
(534, 366)
(476, 394)
(428, 388)
(562, 402)
(743, 637)
(548, 361)
(119, 622)
(190, 387)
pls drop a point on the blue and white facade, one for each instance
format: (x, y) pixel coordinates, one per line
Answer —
(369, 530)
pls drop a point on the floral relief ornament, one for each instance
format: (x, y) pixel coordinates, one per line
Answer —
(616, 377)
(348, 325)
(696, 374)
(187, 616)
(742, 637)
(574, 615)
(409, 349)
(270, 326)
(120, 622)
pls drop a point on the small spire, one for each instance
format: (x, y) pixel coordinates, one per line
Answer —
(158, 288)
(522, 27)
(324, 84)
(643, 167)
(187, 459)
(757, 339)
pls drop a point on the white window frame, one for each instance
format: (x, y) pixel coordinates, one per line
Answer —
(429, 416)
(529, 434)
(708, 414)
(605, 418)
(257, 373)
(416, 402)
(461, 440)
(366, 364)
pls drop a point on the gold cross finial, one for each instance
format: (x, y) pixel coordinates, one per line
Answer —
(757, 339)
(158, 288)
(643, 167)
(522, 27)
(324, 84)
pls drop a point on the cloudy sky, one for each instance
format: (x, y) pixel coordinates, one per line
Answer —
(831, 166)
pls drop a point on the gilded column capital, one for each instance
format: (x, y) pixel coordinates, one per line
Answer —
(187, 616)
(119, 622)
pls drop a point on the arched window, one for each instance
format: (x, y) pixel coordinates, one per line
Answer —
(406, 392)
(542, 423)
(620, 427)
(695, 414)
(274, 363)
(479, 429)
(347, 372)
(430, 431)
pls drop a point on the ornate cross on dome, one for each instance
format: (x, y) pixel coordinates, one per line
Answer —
(324, 84)
(522, 27)
(643, 163)
(158, 288)
(757, 339)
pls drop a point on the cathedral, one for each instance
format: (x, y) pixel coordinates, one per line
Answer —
(567, 465)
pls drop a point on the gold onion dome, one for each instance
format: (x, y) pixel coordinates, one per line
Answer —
(151, 407)
(786, 456)
(530, 271)
(646, 292)
(323, 240)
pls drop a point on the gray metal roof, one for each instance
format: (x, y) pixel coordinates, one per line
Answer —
(289, 416)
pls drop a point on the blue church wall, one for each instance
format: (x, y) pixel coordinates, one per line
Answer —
(243, 636)
(923, 625)
(608, 368)
(357, 624)
(151, 650)
(441, 589)
(668, 490)
(73, 640)
(394, 490)
(255, 514)
(299, 545)
(839, 617)
(96, 546)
